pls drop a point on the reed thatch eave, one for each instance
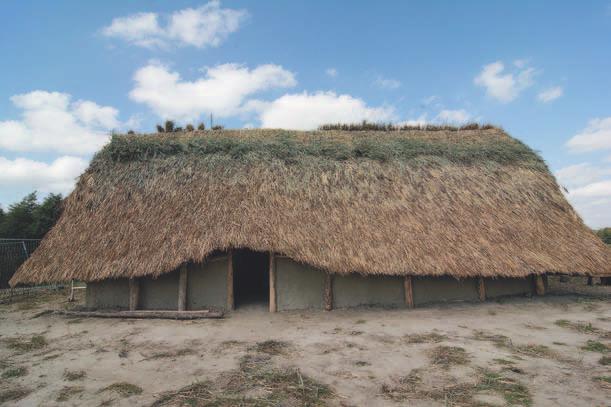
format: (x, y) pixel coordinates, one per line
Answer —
(464, 203)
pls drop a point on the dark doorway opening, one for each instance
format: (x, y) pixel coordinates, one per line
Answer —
(250, 277)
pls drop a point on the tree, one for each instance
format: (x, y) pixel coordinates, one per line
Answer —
(160, 129)
(201, 126)
(28, 219)
(19, 219)
(46, 214)
(605, 235)
(169, 126)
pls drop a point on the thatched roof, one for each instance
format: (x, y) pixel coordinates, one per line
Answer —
(468, 202)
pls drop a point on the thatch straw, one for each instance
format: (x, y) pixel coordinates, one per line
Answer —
(446, 202)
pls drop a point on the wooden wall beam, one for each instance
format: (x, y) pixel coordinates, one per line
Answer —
(409, 291)
(182, 288)
(272, 283)
(134, 294)
(539, 285)
(230, 294)
(328, 292)
(481, 289)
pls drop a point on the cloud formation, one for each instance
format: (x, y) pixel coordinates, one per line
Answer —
(550, 94)
(453, 116)
(387, 83)
(50, 122)
(304, 111)
(222, 91)
(59, 176)
(596, 136)
(503, 86)
(201, 27)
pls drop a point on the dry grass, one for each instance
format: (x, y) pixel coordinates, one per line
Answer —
(13, 394)
(73, 375)
(514, 392)
(532, 350)
(255, 383)
(281, 190)
(582, 327)
(447, 356)
(456, 393)
(67, 392)
(431, 337)
(271, 347)
(171, 354)
(123, 389)
(21, 344)
(14, 372)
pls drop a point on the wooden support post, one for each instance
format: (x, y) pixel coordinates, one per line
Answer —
(409, 291)
(481, 289)
(182, 288)
(272, 283)
(590, 280)
(230, 297)
(134, 293)
(328, 293)
(539, 285)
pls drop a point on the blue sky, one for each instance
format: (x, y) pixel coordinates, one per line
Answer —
(73, 71)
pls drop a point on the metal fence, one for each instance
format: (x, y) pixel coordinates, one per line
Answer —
(13, 252)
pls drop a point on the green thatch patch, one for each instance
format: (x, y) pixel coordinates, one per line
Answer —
(292, 147)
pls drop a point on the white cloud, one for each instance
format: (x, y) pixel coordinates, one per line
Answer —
(596, 136)
(332, 72)
(453, 116)
(589, 191)
(208, 25)
(578, 175)
(550, 94)
(222, 91)
(387, 83)
(420, 121)
(51, 123)
(505, 87)
(58, 176)
(310, 110)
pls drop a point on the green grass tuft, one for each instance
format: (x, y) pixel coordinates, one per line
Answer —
(595, 346)
(14, 372)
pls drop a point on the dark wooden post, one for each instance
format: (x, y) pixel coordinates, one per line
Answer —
(328, 293)
(272, 283)
(481, 289)
(182, 288)
(134, 293)
(539, 285)
(409, 291)
(230, 295)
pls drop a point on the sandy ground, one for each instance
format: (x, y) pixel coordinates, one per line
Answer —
(539, 351)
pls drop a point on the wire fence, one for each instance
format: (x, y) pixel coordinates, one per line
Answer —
(13, 252)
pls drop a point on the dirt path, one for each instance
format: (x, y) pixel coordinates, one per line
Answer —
(543, 351)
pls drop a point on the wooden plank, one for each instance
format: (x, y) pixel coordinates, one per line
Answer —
(481, 289)
(134, 294)
(182, 288)
(539, 285)
(181, 315)
(272, 283)
(409, 291)
(230, 294)
(328, 292)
